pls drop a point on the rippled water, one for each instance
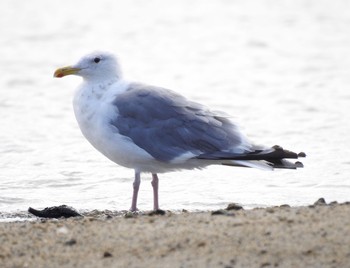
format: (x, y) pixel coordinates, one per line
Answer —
(281, 68)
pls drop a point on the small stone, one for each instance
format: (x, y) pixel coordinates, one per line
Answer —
(270, 210)
(219, 212)
(70, 242)
(234, 206)
(285, 206)
(263, 252)
(307, 252)
(129, 215)
(201, 244)
(320, 202)
(107, 254)
(157, 212)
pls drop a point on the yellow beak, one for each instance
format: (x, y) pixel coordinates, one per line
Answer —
(66, 71)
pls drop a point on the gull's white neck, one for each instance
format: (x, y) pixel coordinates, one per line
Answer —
(102, 81)
(97, 90)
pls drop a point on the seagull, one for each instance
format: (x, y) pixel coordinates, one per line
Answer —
(155, 130)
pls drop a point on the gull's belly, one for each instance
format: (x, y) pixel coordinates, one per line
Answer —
(118, 148)
(124, 152)
(121, 150)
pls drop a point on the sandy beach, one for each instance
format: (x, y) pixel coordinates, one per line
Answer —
(312, 236)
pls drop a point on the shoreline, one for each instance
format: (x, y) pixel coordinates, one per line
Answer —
(307, 236)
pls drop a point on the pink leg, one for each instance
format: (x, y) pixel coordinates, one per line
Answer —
(136, 186)
(155, 183)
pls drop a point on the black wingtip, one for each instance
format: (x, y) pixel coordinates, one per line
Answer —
(277, 147)
(301, 154)
(298, 164)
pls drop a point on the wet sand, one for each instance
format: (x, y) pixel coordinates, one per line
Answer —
(313, 236)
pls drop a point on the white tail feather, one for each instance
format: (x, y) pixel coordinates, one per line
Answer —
(245, 163)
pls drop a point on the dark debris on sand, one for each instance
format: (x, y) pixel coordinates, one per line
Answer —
(55, 212)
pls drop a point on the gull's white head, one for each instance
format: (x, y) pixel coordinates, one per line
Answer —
(95, 66)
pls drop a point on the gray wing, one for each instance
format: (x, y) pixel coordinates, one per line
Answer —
(167, 125)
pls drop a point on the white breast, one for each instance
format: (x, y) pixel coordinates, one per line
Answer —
(94, 110)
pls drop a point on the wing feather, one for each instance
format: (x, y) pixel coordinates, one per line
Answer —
(167, 125)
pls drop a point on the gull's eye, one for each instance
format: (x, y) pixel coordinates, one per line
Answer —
(97, 60)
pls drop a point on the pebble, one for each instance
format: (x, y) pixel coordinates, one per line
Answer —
(157, 212)
(320, 202)
(219, 212)
(222, 212)
(234, 206)
(71, 242)
(107, 254)
(130, 214)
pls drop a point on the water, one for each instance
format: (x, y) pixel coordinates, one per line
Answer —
(281, 68)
